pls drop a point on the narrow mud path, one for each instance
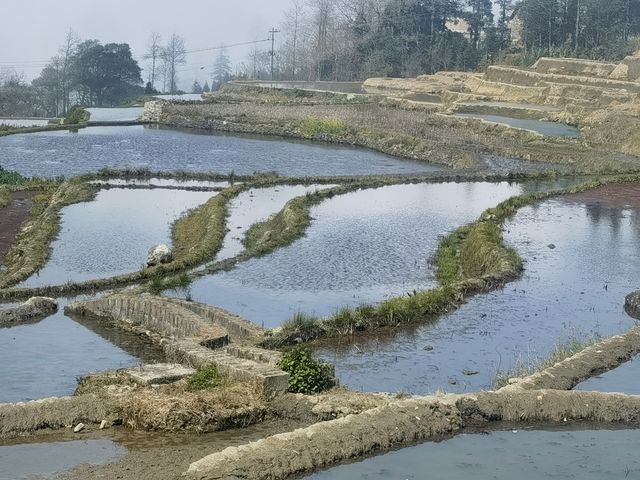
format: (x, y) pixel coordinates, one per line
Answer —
(12, 218)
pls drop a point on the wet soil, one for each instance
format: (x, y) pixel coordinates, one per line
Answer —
(153, 456)
(617, 195)
(12, 218)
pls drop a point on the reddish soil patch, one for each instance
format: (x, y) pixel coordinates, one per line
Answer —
(12, 218)
(618, 195)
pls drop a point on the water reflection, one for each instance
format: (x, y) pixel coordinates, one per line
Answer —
(579, 267)
(112, 234)
(526, 455)
(65, 153)
(361, 247)
(46, 358)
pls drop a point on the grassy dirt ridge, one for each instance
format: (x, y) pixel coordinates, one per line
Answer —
(473, 259)
(30, 251)
(197, 237)
(436, 138)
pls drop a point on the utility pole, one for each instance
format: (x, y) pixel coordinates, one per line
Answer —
(273, 32)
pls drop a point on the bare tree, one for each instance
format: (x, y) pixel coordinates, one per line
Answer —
(66, 53)
(173, 54)
(154, 49)
(293, 19)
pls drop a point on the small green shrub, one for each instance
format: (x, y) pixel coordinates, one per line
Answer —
(306, 374)
(76, 116)
(313, 127)
(205, 378)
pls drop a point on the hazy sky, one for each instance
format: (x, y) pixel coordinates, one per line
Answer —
(31, 31)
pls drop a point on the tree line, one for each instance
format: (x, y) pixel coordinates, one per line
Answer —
(355, 39)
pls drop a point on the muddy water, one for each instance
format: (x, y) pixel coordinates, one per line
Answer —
(361, 247)
(550, 129)
(65, 153)
(44, 460)
(44, 359)
(526, 455)
(256, 205)
(624, 379)
(112, 234)
(582, 256)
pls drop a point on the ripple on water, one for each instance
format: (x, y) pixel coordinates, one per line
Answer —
(572, 290)
(112, 234)
(94, 148)
(361, 247)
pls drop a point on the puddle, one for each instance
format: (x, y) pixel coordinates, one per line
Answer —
(256, 205)
(44, 460)
(52, 154)
(624, 379)
(550, 129)
(44, 359)
(526, 455)
(162, 183)
(576, 289)
(129, 114)
(113, 234)
(361, 247)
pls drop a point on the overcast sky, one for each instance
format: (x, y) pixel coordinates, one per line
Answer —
(31, 31)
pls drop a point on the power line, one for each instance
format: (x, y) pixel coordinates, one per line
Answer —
(31, 64)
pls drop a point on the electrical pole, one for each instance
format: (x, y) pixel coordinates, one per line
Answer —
(273, 32)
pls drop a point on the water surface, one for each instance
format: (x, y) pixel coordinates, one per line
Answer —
(45, 359)
(581, 257)
(624, 379)
(90, 149)
(257, 205)
(361, 247)
(113, 234)
(525, 455)
(44, 460)
(127, 114)
(550, 129)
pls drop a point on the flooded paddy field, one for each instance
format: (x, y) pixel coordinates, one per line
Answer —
(550, 129)
(52, 154)
(524, 454)
(581, 255)
(45, 359)
(361, 247)
(257, 205)
(624, 379)
(112, 234)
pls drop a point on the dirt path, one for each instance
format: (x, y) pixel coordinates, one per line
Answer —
(12, 218)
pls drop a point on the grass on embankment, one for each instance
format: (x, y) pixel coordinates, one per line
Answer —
(30, 251)
(468, 261)
(526, 366)
(5, 197)
(197, 237)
